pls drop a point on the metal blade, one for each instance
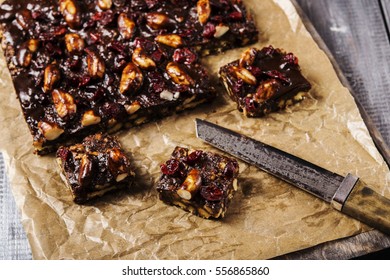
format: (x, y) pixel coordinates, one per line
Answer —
(296, 171)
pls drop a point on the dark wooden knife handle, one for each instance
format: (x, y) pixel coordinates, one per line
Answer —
(368, 206)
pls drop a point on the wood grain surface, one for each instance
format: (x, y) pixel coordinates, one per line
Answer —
(357, 34)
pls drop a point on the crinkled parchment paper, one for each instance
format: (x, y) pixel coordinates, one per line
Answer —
(267, 217)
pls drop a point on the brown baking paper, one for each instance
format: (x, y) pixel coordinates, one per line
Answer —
(267, 217)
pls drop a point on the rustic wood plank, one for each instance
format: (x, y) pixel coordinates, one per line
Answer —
(356, 34)
(385, 5)
(357, 246)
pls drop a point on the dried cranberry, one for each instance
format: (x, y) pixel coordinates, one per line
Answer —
(256, 71)
(157, 56)
(138, 5)
(238, 86)
(209, 30)
(144, 44)
(63, 153)
(84, 81)
(250, 104)
(53, 33)
(184, 55)
(113, 110)
(188, 32)
(118, 47)
(170, 167)
(291, 59)
(277, 75)
(152, 3)
(269, 51)
(220, 4)
(230, 169)
(180, 88)
(104, 18)
(36, 14)
(94, 37)
(73, 62)
(156, 80)
(235, 15)
(217, 19)
(194, 157)
(93, 93)
(119, 63)
(53, 49)
(211, 192)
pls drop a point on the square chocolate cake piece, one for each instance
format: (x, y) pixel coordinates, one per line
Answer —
(202, 183)
(81, 67)
(94, 167)
(263, 81)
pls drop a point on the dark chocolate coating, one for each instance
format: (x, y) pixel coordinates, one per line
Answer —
(106, 47)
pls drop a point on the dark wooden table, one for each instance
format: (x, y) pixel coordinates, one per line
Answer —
(356, 33)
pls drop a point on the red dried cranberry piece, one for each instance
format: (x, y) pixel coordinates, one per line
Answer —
(194, 157)
(184, 55)
(235, 15)
(256, 71)
(152, 3)
(277, 75)
(269, 51)
(220, 4)
(291, 59)
(230, 169)
(73, 63)
(217, 19)
(98, 94)
(118, 47)
(238, 86)
(157, 56)
(119, 63)
(63, 153)
(138, 5)
(180, 88)
(113, 110)
(156, 80)
(104, 18)
(250, 104)
(144, 44)
(209, 30)
(170, 167)
(94, 37)
(84, 81)
(211, 192)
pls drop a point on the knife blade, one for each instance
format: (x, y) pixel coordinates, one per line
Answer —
(348, 194)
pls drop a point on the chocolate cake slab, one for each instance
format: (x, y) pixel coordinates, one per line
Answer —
(200, 182)
(94, 167)
(263, 81)
(80, 67)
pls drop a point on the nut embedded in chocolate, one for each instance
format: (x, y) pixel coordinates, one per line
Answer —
(200, 182)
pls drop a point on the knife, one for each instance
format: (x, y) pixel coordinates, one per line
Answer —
(348, 194)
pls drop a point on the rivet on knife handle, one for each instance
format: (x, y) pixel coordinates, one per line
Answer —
(359, 201)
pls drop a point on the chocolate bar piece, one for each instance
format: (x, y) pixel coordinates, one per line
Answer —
(79, 69)
(202, 183)
(263, 81)
(94, 167)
